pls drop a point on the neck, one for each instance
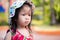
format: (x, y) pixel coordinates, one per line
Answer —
(20, 26)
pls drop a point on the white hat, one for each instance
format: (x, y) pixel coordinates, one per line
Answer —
(15, 5)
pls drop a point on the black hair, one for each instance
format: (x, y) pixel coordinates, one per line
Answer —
(13, 23)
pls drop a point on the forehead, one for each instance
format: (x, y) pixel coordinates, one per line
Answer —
(26, 8)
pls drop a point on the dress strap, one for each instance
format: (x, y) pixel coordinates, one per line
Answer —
(18, 31)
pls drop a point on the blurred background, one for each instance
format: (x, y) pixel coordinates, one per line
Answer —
(46, 18)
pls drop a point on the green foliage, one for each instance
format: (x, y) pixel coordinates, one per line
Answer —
(37, 3)
(57, 5)
(3, 20)
(57, 8)
(3, 23)
(37, 14)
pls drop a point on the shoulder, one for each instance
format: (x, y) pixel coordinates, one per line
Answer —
(8, 36)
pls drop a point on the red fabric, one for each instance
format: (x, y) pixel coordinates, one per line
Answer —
(19, 36)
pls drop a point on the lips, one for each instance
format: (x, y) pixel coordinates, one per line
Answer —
(26, 21)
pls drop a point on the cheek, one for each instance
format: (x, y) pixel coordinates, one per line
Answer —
(30, 19)
(21, 19)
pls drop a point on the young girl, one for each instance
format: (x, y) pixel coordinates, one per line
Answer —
(21, 13)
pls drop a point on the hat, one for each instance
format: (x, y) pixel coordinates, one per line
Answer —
(15, 5)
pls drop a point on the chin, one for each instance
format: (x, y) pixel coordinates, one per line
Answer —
(26, 24)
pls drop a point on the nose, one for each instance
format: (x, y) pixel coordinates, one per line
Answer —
(27, 17)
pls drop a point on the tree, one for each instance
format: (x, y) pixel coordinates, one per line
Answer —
(53, 14)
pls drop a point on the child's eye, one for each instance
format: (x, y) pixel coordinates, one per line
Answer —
(29, 14)
(23, 14)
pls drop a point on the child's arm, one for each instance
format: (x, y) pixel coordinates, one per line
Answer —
(8, 36)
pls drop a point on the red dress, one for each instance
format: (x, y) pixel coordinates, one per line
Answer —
(19, 36)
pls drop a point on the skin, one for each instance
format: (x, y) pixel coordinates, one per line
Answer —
(8, 36)
(24, 16)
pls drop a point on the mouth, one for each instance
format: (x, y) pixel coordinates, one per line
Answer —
(26, 21)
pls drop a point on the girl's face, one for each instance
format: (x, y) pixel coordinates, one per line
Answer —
(24, 17)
